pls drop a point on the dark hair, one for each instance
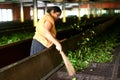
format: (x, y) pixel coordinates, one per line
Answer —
(55, 8)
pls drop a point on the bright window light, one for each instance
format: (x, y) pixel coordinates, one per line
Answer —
(40, 13)
(6, 15)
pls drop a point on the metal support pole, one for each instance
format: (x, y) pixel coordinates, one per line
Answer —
(88, 16)
(45, 8)
(94, 14)
(79, 17)
(35, 16)
(100, 8)
(21, 12)
(64, 12)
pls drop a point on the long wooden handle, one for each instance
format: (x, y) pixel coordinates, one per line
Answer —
(68, 65)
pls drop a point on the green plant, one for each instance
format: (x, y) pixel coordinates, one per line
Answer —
(15, 37)
(74, 78)
(95, 49)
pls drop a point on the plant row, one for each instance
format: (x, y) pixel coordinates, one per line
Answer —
(11, 38)
(72, 22)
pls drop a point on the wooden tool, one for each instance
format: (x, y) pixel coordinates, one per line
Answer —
(68, 65)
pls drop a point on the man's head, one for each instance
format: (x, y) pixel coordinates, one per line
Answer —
(55, 12)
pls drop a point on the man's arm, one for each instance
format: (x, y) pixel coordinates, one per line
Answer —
(48, 26)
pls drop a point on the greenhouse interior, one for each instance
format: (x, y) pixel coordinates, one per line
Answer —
(59, 39)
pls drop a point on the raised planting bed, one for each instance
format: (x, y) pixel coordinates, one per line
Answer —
(16, 37)
(37, 66)
(14, 52)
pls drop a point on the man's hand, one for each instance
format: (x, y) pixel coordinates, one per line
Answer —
(59, 47)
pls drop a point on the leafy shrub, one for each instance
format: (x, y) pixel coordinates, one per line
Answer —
(94, 49)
